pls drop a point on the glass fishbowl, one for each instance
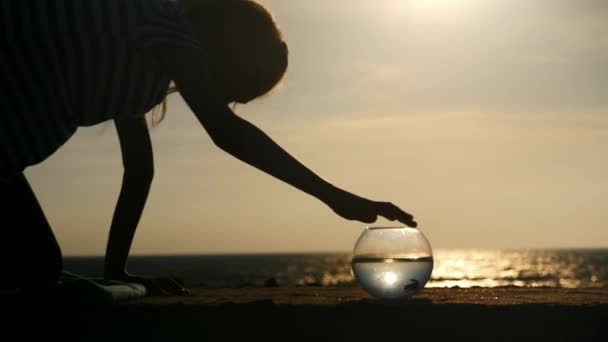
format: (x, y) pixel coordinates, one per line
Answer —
(392, 262)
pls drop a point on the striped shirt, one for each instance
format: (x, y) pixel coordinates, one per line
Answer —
(72, 63)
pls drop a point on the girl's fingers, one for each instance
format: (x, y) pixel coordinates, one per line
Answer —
(392, 212)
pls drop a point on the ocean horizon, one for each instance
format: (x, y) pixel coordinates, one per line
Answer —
(464, 268)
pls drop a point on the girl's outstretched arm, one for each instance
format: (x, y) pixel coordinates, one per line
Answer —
(243, 140)
(138, 163)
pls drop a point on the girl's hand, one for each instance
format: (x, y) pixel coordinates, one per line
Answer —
(353, 207)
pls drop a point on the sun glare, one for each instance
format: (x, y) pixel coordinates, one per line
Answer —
(403, 4)
(390, 278)
(398, 8)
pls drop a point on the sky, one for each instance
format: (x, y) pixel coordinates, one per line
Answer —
(485, 119)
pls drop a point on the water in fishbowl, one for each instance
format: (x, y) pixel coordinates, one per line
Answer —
(392, 278)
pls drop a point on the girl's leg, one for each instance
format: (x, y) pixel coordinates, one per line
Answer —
(29, 253)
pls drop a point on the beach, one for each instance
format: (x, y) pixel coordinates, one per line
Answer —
(315, 297)
(326, 313)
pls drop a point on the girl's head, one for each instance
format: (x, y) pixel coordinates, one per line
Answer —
(247, 54)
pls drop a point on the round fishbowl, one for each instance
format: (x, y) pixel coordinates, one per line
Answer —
(392, 262)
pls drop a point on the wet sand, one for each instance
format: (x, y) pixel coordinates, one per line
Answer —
(321, 314)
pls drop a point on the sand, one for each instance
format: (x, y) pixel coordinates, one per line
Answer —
(323, 296)
(346, 314)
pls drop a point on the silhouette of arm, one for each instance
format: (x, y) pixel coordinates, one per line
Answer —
(248, 143)
(137, 158)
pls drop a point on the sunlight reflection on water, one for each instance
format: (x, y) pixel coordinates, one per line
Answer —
(491, 268)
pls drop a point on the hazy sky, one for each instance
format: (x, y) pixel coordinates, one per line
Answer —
(487, 120)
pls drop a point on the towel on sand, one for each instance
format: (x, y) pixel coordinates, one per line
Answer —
(75, 290)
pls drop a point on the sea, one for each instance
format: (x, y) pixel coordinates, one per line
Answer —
(464, 268)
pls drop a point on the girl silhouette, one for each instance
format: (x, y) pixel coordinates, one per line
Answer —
(73, 63)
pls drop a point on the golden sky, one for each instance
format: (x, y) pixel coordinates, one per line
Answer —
(486, 119)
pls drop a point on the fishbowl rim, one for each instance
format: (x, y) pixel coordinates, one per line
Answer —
(389, 227)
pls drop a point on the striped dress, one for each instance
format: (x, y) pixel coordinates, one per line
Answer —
(71, 63)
